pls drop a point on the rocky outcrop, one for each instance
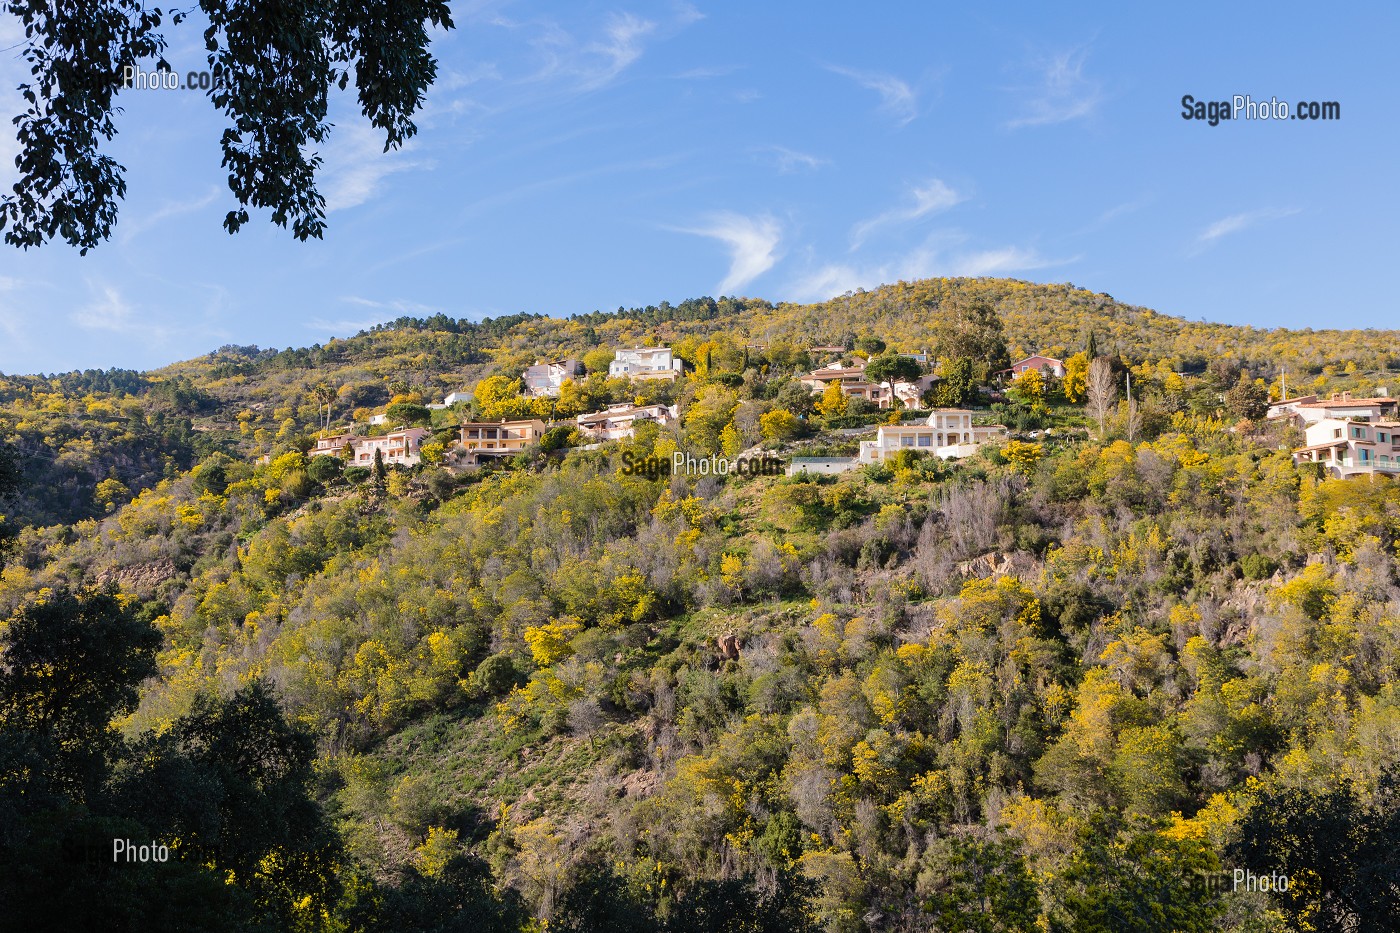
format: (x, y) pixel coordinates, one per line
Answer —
(139, 579)
(729, 646)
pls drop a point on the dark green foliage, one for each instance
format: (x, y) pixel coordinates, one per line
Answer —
(957, 383)
(325, 470)
(458, 899)
(226, 790)
(1247, 400)
(870, 346)
(1133, 879)
(970, 327)
(9, 472)
(274, 74)
(556, 438)
(980, 887)
(71, 662)
(213, 475)
(893, 368)
(597, 900)
(496, 675)
(402, 414)
(1341, 853)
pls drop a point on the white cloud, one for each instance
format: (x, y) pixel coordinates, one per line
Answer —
(342, 326)
(928, 198)
(933, 258)
(397, 305)
(896, 97)
(588, 66)
(356, 164)
(1063, 92)
(1237, 222)
(622, 46)
(752, 243)
(109, 311)
(138, 225)
(790, 160)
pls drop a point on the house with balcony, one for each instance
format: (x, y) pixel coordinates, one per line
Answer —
(545, 378)
(399, 448)
(485, 440)
(855, 385)
(851, 378)
(1345, 406)
(645, 363)
(1352, 447)
(947, 433)
(620, 421)
(333, 446)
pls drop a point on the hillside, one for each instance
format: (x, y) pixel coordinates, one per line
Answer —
(1057, 685)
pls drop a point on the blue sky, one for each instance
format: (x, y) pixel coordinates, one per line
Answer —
(581, 156)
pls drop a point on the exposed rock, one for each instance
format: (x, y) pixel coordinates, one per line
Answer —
(640, 784)
(139, 579)
(729, 646)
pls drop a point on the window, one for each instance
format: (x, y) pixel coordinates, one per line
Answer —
(925, 440)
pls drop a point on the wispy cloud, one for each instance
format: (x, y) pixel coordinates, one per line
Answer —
(588, 65)
(790, 160)
(135, 226)
(109, 312)
(622, 44)
(396, 305)
(752, 243)
(1238, 222)
(1063, 92)
(706, 72)
(897, 99)
(356, 165)
(939, 256)
(928, 198)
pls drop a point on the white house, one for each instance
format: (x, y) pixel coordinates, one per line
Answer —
(822, 466)
(645, 363)
(452, 398)
(1343, 405)
(948, 433)
(546, 376)
(1288, 407)
(619, 421)
(1349, 447)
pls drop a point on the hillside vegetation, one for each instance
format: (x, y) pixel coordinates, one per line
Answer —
(1071, 683)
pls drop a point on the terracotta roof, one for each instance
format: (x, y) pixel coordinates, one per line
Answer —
(1347, 402)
